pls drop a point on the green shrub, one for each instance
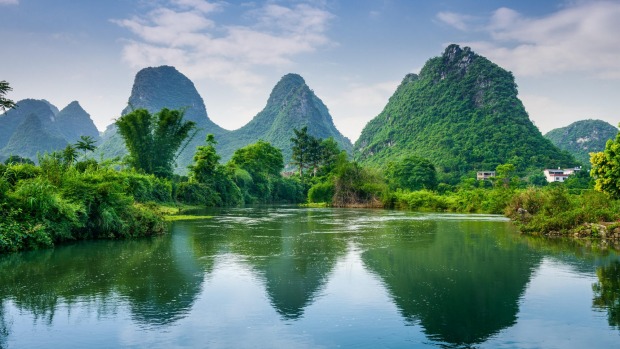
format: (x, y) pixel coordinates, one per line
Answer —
(321, 192)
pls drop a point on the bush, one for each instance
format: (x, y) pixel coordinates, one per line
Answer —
(321, 192)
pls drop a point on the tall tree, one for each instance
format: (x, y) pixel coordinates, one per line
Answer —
(153, 140)
(206, 162)
(5, 103)
(606, 168)
(301, 147)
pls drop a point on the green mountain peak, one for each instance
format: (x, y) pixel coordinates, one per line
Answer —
(462, 113)
(582, 138)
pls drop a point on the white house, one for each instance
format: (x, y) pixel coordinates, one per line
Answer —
(559, 175)
(482, 175)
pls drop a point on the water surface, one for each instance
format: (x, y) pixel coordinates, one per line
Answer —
(287, 277)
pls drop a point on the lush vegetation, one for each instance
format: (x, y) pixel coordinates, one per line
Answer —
(462, 113)
(292, 104)
(582, 138)
(606, 168)
(154, 140)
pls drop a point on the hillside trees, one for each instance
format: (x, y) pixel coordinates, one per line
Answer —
(153, 140)
(312, 153)
(606, 168)
(412, 173)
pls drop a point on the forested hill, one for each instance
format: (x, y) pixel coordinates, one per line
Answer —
(292, 104)
(462, 113)
(583, 137)
(161, 87)
(36, 126)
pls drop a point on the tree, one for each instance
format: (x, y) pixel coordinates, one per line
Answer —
(260, 157)
(153, 140)
(311, 152)
(69, 154)
(16, 159)
(206, 161)
(85, 143)
(263, 162)
(5, 103)
(505, 174)
(606, 168)
(412, 173)
(301, 147)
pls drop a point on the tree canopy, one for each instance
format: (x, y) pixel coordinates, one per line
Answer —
(412, 173)
(153, 140)
(606, 168)
(5, 103)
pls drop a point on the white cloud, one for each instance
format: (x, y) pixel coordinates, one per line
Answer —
(357, 104)
(456, 20)
(181, 34)
(9, 2)
(581, 37)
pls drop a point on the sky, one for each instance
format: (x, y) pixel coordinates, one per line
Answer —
(564, 54)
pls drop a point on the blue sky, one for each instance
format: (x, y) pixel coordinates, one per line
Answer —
(565, 55)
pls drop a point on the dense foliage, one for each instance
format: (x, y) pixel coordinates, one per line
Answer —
(582, 138)
(154, 140)
(60, 200)
(462, 113)
(606, 168)
(412, 173)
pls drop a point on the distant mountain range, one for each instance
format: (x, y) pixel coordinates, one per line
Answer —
(291, 105)
(37, 126)
(463, 114)
(582, 138)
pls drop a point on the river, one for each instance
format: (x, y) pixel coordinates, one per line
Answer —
(288, 277)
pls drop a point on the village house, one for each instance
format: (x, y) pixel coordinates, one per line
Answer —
(483, 175)
(559, 175)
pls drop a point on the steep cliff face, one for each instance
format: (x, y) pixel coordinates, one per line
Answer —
(582, 138)
(291, 105)
(161, 87)
(462, 113)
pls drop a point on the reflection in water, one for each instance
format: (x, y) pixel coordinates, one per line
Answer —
(463, 285)
(152, 275)
(313, 277)
(285, 248)
(607, 292)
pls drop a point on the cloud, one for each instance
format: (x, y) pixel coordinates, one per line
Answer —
(581, 37)
(357, 104)
(183, 34)
(9, 2)
(456, 20)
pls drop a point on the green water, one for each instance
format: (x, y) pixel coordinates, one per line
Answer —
(288, 277)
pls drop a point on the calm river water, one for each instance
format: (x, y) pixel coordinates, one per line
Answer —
(286, 277)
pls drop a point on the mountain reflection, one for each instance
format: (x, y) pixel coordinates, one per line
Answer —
(154, 276)
(292, 251)
(463, 286)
